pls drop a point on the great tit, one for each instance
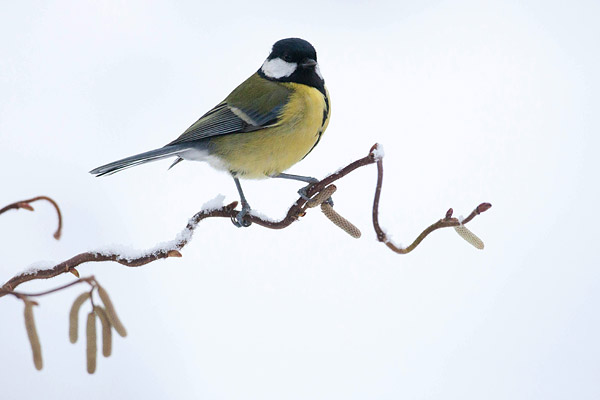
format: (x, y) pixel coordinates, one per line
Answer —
(267, 124)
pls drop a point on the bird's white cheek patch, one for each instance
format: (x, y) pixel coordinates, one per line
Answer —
(277, 68)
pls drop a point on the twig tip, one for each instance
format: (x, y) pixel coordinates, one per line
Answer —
(377, 151)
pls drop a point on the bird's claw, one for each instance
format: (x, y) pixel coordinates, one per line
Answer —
(239, 220)
(303, 191)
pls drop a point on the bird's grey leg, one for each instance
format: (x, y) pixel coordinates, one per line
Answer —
(302, 192)
(239, 219)
(308, 179)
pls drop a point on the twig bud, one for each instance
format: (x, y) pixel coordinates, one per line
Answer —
(174, 253)
(111, 313)
(34, 339)
(106, 331)
(483, 207)
(74, 316)
(91, 348)
(25, 206)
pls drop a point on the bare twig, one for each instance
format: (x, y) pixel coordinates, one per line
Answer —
(26, 204)
(90, 280)
(297, 210)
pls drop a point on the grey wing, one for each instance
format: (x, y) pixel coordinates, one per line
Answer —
(225, 119)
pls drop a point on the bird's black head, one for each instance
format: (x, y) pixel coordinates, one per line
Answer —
(293, 60)
(293, 50)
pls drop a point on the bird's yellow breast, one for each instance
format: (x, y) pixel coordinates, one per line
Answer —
(270, 151)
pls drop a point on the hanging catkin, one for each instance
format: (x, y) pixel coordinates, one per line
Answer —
(111, 313)
(34, 339)
(106, 331)
(91, 348)
(74, 316)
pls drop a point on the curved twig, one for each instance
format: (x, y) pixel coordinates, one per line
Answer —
(297, 210)
(445, 222)
(25, 204)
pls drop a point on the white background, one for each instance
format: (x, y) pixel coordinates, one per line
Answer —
(474, 101)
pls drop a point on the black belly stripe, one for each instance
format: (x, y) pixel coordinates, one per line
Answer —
(325, 113)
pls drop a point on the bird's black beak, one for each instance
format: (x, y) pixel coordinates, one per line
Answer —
(308, 63)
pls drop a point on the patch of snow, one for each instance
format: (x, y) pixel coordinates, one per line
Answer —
(38, 266)
(389, 238)
(379, 153)
(127, 253)
(262, 216)
(213, 204)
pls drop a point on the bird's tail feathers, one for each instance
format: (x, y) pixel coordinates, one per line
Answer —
(142, 158)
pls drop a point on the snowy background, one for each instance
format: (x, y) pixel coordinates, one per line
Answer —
(473, 101)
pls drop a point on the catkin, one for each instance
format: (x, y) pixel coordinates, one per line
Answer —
(340, 221)
(469, 236)
(74, 316)
(322, 196)
(111, 313)
(91, 349)
(106, 331)
(34, 339)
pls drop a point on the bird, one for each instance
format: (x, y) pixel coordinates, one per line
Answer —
(271, 121)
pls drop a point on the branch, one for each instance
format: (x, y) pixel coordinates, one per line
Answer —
(297, 210)
(25, 204)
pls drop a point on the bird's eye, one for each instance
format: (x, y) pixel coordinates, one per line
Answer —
(287, 58)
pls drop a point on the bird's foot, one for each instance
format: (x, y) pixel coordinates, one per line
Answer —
(239, 220)
(303, 192)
